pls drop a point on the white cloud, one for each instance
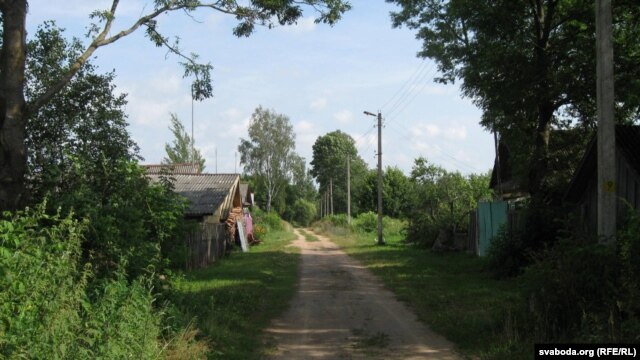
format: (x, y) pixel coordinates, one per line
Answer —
(343, 116)
(306, 134)
(428, 130)
(318, 104)
(456, 132)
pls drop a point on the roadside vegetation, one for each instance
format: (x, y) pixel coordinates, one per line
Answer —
(233, 301)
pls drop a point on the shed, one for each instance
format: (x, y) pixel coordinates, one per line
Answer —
(582, 191)
(246, 194)
(211, 196)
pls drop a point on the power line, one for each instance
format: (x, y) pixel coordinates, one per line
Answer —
(419, 80)
(400, 109)
(417, 70)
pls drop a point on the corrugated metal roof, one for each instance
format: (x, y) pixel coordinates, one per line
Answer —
(205, 192)
(184, 168)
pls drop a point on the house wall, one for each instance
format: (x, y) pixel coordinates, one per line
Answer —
(628, 192)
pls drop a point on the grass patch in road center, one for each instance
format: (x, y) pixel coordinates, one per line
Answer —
(449, 292)
(309, 237)
(234, 300)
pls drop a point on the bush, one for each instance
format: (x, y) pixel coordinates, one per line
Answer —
(506, 254)
(270, 220)
(51, 305)
(366, 222)
(304, 212)
(337, 220)
(588, 292)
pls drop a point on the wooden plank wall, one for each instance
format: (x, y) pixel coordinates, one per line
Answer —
(205, 245)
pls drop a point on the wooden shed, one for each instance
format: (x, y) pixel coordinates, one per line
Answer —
(214, 202)
(582, 191)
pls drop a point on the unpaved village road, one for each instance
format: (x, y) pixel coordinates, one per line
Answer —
(341, 311)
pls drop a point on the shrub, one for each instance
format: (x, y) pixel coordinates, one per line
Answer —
(506, 254)
(337, 220)
(366, 222)
(270, 220)
(52, 306)
(304, 212)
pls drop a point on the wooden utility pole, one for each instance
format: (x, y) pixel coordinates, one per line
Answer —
(349, 189)
(380, 240)
(606, 123)
(331, 194)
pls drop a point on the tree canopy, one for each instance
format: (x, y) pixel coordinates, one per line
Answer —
(269, 153)
(528, 64)
(330, 154)
(182, 149)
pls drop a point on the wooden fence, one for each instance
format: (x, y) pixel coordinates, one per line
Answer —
(486, 221)
(205, 245)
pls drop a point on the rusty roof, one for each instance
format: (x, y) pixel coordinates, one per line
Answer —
(205, 192)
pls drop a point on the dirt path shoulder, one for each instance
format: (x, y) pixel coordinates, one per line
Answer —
(341, 311)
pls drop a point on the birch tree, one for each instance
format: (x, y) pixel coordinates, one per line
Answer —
(269, 153)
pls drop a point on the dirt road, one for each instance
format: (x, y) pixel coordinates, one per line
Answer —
(341, 311)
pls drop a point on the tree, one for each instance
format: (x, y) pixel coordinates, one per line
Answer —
(330, 153)
(84, 122)
(15, 109)
(269, 153)
(528, 64)
(182, 150)
(442, 200)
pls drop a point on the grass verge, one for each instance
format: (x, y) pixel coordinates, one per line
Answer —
(448, 291)
(234, 300)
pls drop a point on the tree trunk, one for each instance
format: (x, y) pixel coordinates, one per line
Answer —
(540, 159)
(13, 155)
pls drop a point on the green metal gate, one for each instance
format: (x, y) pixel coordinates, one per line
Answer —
(491, 216)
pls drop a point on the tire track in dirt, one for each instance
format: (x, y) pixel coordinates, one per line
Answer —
(341, 311)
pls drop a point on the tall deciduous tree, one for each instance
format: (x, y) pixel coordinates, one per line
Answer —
(269, 153)
(528, 64)
(85, 122)
(182, 149)
(330, 153)
(15, 110)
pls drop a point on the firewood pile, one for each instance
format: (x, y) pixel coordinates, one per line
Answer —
(234, 215)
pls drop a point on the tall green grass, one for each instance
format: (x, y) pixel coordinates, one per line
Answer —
(449, 292)
(234, 300)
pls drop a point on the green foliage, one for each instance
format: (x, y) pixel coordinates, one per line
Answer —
(84, 120)
(52, 306)
(270, 220)
(366, 222)
(396, 193)
(519, 60)
(507, 254)
(330, 154)
(132, 222)
(588, 292)
(182, 149)
(442, 200)
(304, 212)
(269, 153)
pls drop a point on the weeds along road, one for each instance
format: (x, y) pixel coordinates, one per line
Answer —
(341, 311)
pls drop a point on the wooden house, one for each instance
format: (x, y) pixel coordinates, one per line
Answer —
(582, 191)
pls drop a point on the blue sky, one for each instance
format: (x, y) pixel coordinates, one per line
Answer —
(321, 77)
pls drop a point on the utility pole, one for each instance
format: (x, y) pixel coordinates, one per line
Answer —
(235, 163)
(349, 189)
(606, 124)
(331, 194)
(379, 116)
(193, 140)
(216, 159)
